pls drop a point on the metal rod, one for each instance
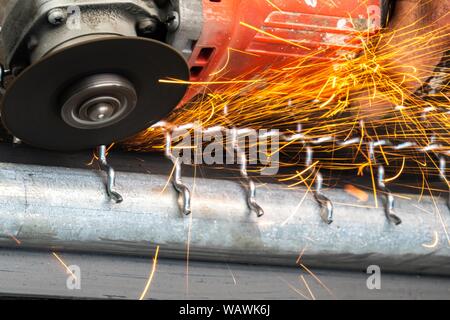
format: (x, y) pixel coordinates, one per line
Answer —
(326, 206)
(180, 187)
(63, 209)
(443, 176)
(389, 200)
(250, 186)
(111, 175)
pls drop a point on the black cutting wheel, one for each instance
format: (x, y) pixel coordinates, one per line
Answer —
(94, 93)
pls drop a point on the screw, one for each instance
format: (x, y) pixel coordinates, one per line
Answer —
(173, 22)
(57, 16)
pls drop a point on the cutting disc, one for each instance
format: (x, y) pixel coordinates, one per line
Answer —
(33, 106)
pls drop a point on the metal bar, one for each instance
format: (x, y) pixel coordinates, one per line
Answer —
(25, 274)
(68, 209)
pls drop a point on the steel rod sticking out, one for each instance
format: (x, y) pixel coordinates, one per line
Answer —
(326, 206)
(111, 175)
(54, 201)
(180, 187)
(250, 184)
(443, 175)
(389, 200)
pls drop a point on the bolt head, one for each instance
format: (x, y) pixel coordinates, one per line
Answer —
(57, 16)
(174, 21)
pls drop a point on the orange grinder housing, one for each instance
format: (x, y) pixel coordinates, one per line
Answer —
(242, 37)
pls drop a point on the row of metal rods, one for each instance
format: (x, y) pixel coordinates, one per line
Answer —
(325, 204)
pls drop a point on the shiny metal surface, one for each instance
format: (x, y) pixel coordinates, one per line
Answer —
(68, 209)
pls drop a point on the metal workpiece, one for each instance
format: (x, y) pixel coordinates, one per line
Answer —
(99, 101)
(326, 205)
(389, 201)
(249, 185)
(184, 193)
(67, 209)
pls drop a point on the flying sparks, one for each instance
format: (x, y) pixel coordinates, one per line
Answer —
(357, 112)
(61, 261)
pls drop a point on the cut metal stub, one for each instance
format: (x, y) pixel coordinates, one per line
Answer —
(94, 93)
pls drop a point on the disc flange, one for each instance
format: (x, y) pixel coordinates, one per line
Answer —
(32, 106)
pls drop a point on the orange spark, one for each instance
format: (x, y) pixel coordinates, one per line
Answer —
(359, 194)
(64, 265)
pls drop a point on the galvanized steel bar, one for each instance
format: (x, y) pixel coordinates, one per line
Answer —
(68, 209)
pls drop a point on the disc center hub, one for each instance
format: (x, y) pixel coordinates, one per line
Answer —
(98, 101)
(101, 112)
